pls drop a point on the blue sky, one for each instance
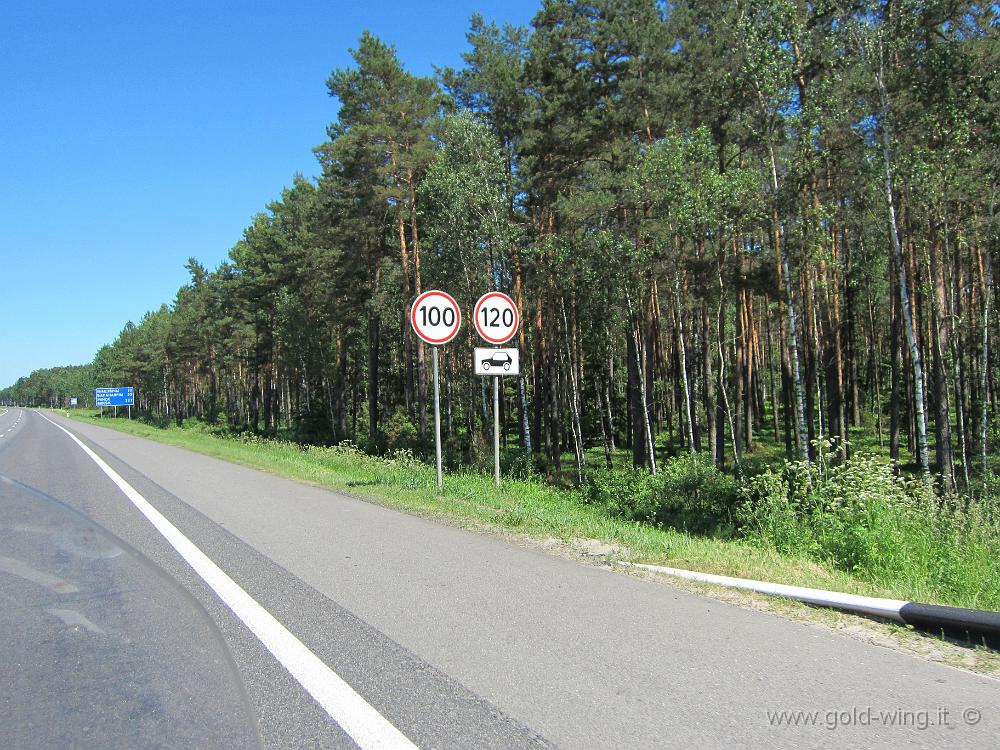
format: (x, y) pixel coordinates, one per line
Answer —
(135, 135)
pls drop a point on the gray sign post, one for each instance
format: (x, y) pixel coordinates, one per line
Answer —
(436, 318)
(496, 363)
(437, 419)
(497, 320)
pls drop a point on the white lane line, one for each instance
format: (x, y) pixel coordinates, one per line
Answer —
(366, 726)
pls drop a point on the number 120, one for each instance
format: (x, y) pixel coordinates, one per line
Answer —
(504, 318)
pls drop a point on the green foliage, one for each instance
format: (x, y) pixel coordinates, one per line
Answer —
(400, 432)
(626, 494)
(467, 205)
(468, 451)
(689, 494)
(53, 387)
(856, 516)
(680, 177)
(860, 517)
(520, 465)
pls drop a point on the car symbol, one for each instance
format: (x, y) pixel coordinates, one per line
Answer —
(498, 359)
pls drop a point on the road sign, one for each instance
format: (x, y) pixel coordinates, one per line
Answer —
(496, 317)
(72, 400)
(435, 317)
(496, 362)
(114, 396)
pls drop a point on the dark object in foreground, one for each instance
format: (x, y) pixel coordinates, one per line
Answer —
(974, 625)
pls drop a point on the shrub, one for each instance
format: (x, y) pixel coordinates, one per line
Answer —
(850, 514)
(690, 494)
(626, 494)
(860, 517)
(400, 432)
(520, 465)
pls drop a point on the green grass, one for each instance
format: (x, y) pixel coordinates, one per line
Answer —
(531, 508)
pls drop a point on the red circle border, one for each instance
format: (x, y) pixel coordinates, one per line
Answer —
(413, 319)
(517, 317)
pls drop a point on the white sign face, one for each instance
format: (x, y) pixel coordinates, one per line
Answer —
(496, 361)
(435, 317)
(496, 317)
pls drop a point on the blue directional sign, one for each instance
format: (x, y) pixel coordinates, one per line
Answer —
(114, 397)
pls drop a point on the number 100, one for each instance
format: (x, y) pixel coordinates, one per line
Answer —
(436, 316)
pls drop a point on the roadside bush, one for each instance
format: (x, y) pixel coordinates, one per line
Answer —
(626, 494)
(689, 494)
(860, 517)
(987, 487)
(519, 465)
(400, 432)
(466, 450)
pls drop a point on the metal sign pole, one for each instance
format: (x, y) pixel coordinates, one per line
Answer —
(496, 430)
(496, 319)
(437, 418)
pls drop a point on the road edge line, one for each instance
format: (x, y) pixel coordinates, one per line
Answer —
(363, 723)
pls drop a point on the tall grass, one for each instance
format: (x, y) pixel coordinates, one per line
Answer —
(858, 516)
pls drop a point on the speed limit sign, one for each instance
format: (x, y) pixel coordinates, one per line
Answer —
(435, 317)
(496, 317)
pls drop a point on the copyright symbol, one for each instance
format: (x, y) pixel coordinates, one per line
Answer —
(971, 716)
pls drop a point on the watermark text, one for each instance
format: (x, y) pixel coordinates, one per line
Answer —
(869, 716)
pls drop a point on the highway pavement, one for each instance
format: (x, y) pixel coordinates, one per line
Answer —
(411, 631)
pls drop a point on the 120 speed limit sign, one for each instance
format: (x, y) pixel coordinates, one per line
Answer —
(435, 317)
(496, 317)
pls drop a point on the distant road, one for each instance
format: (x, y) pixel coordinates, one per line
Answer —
(464, 641)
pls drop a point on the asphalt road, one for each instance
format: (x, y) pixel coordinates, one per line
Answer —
(464, 641)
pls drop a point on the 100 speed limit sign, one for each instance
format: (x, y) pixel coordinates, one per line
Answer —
(496, 317)
(435, 317)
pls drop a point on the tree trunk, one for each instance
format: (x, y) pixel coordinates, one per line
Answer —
(574, 401)
(639, 355)
(708, 384)
(942, 344)
(374, 341)
(777, 234)
(417, 289)
(684, 370)
(916, 361)
(405, 333)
